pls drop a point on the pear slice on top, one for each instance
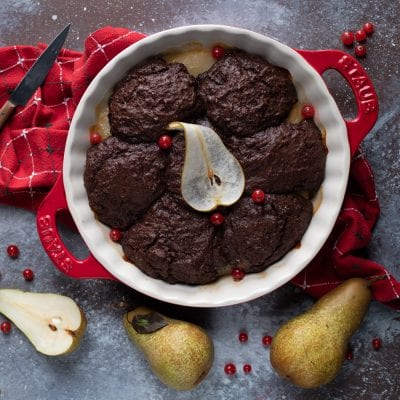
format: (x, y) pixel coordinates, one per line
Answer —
(53, 323)
(211, 175)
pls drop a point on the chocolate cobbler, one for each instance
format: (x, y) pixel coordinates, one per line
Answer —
(135, 186)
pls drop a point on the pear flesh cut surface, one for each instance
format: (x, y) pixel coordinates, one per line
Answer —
(195, 57)
(211, 175)
(53, 323)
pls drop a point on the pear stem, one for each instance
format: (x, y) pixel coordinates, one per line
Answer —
(375, 279)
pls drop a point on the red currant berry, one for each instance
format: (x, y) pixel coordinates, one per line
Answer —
(349, 355)
(95, 138)
(5, 327)
(28, 274)
(217, 52)
(360, 35)
(13, 251)
(360, 50)
(115, 235)
(307, 111)
(258, 196)
(165, 142)
(347, 38)
(230, 369)
(217, 218)
(243, 337)
(246, 368)
(237, 274)
(377, 343)
(267, 340)
(369, 28)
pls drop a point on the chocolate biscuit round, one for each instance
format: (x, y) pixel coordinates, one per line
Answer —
(257, 235)
(150, 97)
(172, 243)
(282, 159)
(243, 93)
(122, 180)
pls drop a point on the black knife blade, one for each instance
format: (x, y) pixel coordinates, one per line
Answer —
(39, 70)
(34, 77)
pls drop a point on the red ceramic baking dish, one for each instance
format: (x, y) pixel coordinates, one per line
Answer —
(342, 139)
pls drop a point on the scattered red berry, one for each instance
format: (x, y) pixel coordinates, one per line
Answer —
(217, 218)
(360, 35)
(95, 138)
(267, 340)
(349, 355)
(13, 251)
(217, 52)
(115, 235)
(347, 38)
(5, 327)
(360, 50)
(258, 196)
(237, 274)
(307, 111)
(377, 343)
(369, 28)
(165, 142)
(28, 274)
(246, 368)
(243, 337)
(230, 369)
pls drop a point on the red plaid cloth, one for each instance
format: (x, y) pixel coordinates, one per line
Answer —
(32, 145)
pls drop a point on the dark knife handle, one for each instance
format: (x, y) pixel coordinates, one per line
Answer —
(5, 111)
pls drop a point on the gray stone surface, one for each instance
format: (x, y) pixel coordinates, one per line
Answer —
(107, 365)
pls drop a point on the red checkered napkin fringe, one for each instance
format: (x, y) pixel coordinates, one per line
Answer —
(32, 146)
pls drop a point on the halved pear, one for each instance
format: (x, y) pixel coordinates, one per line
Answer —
(211, 175)
(53, 323)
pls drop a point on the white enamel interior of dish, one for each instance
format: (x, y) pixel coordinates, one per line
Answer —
(225, 291)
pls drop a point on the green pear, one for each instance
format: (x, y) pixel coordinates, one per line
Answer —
(309, 349)
(179, 353)
(53, 323)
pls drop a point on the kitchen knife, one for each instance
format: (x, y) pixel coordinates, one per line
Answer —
(34, 77)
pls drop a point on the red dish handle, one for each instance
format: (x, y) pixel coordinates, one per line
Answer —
(360, 83)
(55, 202)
